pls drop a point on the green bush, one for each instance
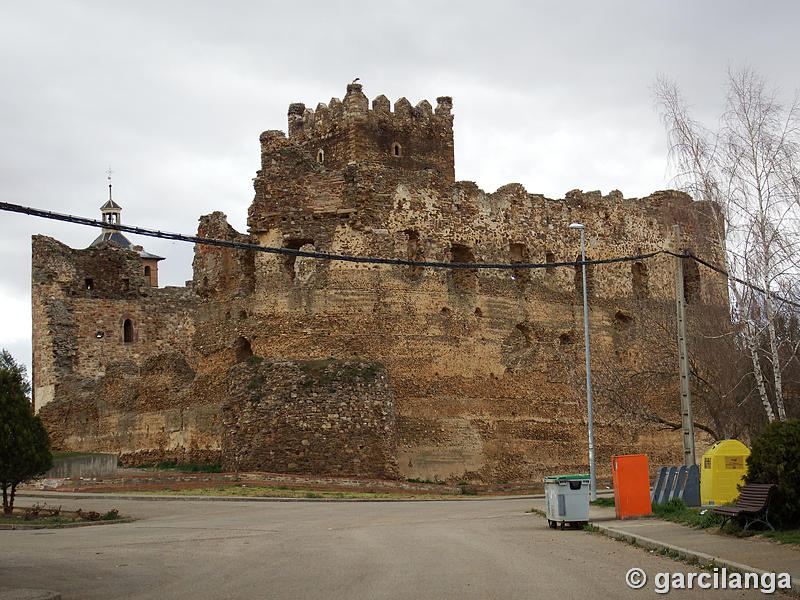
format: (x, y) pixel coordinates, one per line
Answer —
(774, 458)
(199, 467)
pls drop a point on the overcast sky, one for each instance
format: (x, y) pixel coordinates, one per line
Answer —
(173, 96)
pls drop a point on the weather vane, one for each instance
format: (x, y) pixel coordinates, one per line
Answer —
(109, 172)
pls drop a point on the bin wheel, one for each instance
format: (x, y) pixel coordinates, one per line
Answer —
(552, 524)
(562, 525)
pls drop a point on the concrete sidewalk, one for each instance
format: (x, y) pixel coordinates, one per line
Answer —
(754, 555)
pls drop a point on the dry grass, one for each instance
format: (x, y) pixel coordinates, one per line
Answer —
(258, 491)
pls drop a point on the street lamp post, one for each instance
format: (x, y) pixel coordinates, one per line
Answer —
(592, 478)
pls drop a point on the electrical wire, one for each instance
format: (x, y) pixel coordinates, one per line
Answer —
(46, 214)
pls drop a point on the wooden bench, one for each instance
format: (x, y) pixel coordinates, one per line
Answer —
(753, 500)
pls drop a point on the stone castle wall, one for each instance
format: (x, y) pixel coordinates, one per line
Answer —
(340, 412)
(81, 300)
(485, 366)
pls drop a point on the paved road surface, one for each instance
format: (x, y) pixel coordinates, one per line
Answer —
(199, 550)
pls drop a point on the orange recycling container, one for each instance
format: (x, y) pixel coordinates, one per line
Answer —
(631, 478)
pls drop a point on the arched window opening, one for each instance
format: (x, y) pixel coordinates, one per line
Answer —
(691, 280)
(147, 273)
(89, 283)
(464, 280)
(414, 252)
(579, 278)
(242, 349)
(640, 278)
(549, 257)
(519, 254)
(320, 156)
(397, 149)
(289, 259)
(127, 331)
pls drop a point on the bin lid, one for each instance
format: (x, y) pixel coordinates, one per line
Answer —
(565, 477)
(728, 448)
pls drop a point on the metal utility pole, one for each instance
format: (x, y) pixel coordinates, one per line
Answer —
(592, 478)
(687, 422)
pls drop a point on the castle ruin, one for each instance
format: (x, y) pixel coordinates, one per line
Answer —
(286, 363)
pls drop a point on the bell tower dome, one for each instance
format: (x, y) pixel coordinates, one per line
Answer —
(112, 215)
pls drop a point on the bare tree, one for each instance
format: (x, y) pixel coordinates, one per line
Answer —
(750, 169)
(627, 388)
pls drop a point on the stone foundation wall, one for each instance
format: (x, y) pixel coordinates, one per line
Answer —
(319, 417)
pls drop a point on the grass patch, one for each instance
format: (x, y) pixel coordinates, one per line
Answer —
(789, 536)
(72, 454)
(675, 510)
(603, 502)
(257, 491)
(186, 467)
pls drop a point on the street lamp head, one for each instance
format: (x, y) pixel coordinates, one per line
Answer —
(576, 226)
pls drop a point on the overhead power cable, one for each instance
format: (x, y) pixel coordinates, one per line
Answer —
(36, 212)
(46, 214)
(741, 281)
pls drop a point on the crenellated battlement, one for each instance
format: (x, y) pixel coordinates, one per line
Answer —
(303, 120)
(408, 138)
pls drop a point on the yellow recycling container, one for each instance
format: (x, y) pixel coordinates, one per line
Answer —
(722, 470)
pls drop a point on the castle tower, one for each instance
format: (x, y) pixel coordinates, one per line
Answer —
(112, 215)
(410, 138)
(340, 156)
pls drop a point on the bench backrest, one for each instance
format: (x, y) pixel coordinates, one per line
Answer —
(755, 495)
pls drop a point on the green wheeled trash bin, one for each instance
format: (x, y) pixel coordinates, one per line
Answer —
(567, 500)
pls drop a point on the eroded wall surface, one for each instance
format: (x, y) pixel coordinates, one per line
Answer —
(484, 368)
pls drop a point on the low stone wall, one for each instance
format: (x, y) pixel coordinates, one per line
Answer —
(324, 417)
(90, 465)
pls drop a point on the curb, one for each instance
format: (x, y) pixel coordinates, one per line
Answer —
(685, 553)
(158, 497)
(28, 594)
(24, 527)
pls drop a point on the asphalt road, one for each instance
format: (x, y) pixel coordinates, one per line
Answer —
(417, 550)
